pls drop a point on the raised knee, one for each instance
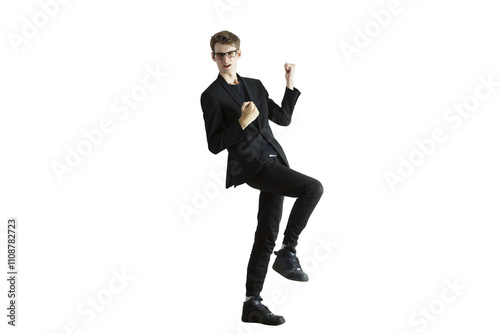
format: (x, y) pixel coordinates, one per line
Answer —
(317, 188)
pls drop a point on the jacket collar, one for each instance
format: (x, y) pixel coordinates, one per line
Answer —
(231, 92)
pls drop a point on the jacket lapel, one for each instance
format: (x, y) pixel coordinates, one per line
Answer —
(251, 95)
(248, 88)
(236, 97)
(230, 91)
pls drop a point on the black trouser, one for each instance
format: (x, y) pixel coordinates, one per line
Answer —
(275, 181)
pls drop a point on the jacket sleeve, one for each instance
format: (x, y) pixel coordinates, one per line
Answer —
(282, 115)
(219, 136)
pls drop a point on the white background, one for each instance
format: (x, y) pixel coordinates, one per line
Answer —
(120, 208)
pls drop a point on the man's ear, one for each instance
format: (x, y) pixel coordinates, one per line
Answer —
(213, 56)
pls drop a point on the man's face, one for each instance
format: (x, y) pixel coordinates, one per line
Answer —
(226, 65)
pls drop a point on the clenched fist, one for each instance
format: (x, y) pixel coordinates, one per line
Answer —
(290, 75)
(249, 113)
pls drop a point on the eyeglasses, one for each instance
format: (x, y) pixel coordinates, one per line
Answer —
(230, 54)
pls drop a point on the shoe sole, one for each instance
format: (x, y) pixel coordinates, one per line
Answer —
(262, 323)
(291, 279)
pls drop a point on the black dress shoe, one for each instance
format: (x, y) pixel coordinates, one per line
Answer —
(287, 264)
(255, 311)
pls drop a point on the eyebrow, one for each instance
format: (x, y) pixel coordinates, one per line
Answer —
(220, 53)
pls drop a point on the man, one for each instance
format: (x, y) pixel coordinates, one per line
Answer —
(237, 111)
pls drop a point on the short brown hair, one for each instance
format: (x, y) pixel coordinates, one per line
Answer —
(224, 37)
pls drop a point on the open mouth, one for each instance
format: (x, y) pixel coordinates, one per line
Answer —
(226, 66)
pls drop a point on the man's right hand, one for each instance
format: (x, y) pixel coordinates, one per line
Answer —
(249, 113)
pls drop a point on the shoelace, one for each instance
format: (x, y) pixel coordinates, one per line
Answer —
(292, 259)
(263, 307)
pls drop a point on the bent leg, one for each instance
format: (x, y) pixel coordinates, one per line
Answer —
(281, 180)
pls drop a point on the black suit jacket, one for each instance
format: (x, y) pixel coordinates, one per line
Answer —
(221, 111)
